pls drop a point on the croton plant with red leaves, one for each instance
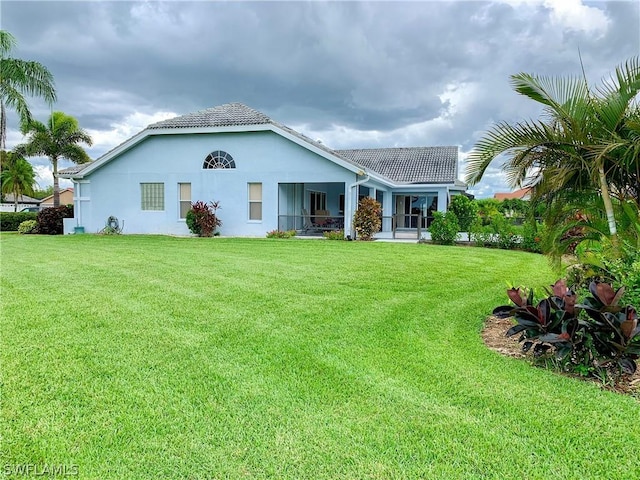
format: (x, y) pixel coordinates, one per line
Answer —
(597, 332)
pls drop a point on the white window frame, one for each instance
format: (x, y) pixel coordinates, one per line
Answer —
(183, 201)
(254, 201)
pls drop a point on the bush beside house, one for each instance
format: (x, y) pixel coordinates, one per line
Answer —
(10, 221)
(367, 219)
(50, 219)
(202, 219)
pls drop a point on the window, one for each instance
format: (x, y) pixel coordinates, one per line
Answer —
(317, 201)
(255, 201)
(218, 160)
(184, 198)
(152, 196)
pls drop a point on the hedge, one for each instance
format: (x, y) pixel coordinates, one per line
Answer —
(9, 221)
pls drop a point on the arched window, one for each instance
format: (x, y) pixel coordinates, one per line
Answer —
(219, 159)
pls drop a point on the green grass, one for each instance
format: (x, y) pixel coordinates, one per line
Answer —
(154, 357)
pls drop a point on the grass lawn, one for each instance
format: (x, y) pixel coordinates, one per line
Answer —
(154, 357)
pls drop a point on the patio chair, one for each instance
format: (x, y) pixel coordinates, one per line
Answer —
(307, 224)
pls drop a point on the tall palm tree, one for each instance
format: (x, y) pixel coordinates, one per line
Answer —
(59, 138)
(17, 176)
(584, 142)
(20, 78)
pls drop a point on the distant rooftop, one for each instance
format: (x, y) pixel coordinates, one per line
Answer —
(9, 198)
(522, 194)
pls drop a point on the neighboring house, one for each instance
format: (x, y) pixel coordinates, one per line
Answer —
(9, 204)
(522, 194)
(265, 175)
(66, 198)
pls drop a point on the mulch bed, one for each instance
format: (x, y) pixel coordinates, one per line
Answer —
(493, 335)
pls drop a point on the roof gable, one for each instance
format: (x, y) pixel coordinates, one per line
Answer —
(49, 198)
(389, 165)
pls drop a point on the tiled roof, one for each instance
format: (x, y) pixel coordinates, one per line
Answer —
(230, 114)
(74, 169)
(400, 165)
(408, 165)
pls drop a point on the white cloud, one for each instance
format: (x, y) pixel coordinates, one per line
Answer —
(105, 140)
(44, 174)
(459, 98)
(571, 15)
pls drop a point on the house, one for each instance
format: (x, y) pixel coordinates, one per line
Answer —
(265, 175)
(66, 198)
(521, 194)
(24, 201)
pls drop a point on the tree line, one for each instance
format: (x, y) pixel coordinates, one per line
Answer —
(60, 137)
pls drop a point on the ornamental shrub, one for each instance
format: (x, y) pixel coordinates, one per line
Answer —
(50, 219)
(334, 235)
(10, 221)
(596, 337)
(28, 226)
(281, 234)
(202, 219)
(506, 236)
(368, 218)
(481, 235)
(625, 273)
(465, 209)
(191, 223)
(444, 228)
(532, 237)
(597, 262)
(501, 233)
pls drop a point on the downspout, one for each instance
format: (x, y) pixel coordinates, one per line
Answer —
(351, 212)
(76, 202)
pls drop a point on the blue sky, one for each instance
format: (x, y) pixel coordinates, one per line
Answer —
(352, 74)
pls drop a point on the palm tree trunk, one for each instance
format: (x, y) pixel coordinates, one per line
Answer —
(3, 126)
(15, 200)
(56, 186)
(608, 206)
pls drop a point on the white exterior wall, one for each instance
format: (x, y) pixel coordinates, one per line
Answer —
(10, 207)
(262, 157)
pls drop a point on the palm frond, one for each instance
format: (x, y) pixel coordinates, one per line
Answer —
(563, 97)
(7, 42)
(618, 94)
(75, 153)
(31, 78)
(13, 99)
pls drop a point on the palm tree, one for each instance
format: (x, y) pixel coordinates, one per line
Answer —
(17, 176)
(20, 78)
(60, 138)
(585, 142)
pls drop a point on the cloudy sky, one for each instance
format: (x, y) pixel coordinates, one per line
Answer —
(352, 74)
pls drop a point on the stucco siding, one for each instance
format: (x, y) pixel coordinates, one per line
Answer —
(260, 157)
